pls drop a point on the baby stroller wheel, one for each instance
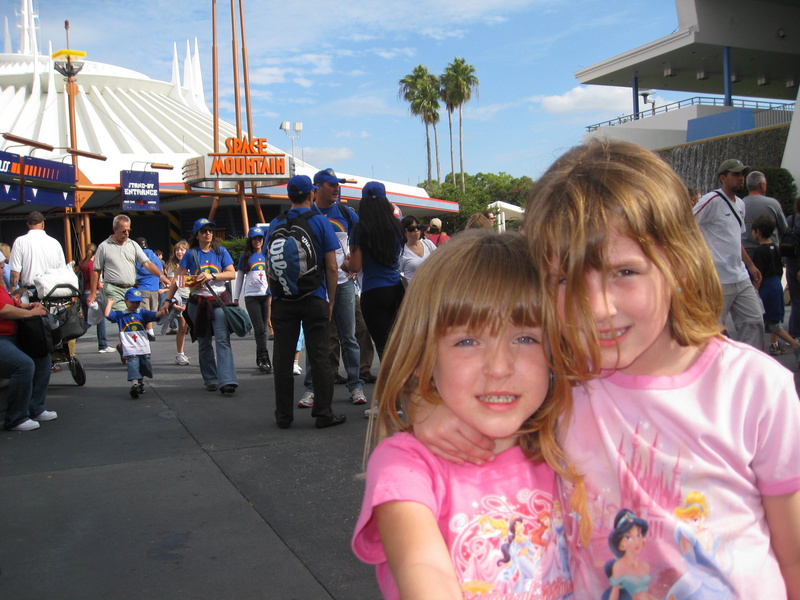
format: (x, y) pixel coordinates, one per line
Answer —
(77, 370)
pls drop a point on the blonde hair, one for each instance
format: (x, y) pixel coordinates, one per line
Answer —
(173, 263)
(479, 280)
(611, 186)
(693, 506)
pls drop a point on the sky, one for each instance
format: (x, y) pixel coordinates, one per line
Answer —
(335, 67)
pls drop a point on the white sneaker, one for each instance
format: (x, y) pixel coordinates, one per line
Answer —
(357, 396)
(27, 425)
(107, 350)
(46, 415)
(180, 359)
(307, 401)
(297, 369)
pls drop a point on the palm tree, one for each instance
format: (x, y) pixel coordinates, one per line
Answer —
(421, 90)
(458, 83)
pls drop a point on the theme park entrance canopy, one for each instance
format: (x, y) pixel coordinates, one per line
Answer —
(244, 160)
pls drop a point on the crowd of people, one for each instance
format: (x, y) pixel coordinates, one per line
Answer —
(560, 413)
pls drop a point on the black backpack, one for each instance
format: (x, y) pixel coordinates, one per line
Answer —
(789, 240)
(293, 268)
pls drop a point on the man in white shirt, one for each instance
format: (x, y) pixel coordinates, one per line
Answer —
(721, 217)
(33, 254)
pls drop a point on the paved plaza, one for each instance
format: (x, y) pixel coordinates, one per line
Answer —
(182, 493)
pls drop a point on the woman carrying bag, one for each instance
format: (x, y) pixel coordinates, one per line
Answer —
(252, 276)
(209, 263)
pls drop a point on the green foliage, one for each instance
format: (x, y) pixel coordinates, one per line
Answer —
(781, 186)
(235, 246)
(480, 190)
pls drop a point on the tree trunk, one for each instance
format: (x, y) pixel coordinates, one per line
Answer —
(452, 151)
(428, 146)
(436, 146)
(461, 144)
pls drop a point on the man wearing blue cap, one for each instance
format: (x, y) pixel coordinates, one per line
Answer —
(313, 311)
(342, 219)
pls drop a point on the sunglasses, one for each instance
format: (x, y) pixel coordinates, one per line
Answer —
(413, 228)
(205, 231)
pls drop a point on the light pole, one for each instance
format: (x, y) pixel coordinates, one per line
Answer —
(287, 127)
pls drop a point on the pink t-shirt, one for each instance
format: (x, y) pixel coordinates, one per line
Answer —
(691, 455)
(499, 521)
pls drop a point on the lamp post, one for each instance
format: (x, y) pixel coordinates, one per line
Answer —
(287, 127)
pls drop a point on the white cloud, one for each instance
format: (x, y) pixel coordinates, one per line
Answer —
(590, 98)
(352, 134)
(364, 104)
(303, 81)
(326, 156)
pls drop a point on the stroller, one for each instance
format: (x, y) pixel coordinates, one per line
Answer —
(63, 301)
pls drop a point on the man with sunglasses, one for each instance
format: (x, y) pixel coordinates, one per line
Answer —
(116, 261)
(342, 218)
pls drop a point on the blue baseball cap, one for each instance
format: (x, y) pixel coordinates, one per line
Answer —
(373, 190)
(300, 184)
(200, 223)
(133, 295)
(327, 176)
(255, 232)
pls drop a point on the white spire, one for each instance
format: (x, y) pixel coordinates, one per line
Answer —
(27, 37)
(198, 93)
(188, 80)
(176, 91)
(6, 39)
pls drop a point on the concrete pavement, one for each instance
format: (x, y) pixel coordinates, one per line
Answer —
(182, 493)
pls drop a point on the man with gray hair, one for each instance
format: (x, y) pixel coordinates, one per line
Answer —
(116, 260)
(757, 203)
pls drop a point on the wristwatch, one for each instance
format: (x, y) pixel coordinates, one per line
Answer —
(214, 276)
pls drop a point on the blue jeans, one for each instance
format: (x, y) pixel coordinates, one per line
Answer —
(344, 316)
(28, 379)
(218, 369)
(139, 367)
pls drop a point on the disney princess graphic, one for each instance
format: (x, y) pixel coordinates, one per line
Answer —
(628, 574)
(704, 579)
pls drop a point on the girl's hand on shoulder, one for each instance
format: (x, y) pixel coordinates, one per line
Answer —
(450, 438)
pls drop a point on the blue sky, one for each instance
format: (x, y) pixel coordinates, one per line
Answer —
(335, 67)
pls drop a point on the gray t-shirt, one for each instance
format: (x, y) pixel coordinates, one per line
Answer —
(117, 262)
(755, 206)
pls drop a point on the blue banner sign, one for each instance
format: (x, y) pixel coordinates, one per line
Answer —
(46, 182)
(139, 190)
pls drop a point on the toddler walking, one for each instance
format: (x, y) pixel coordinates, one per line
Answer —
(133, 337)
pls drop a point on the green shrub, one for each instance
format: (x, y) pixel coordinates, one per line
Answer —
(235, 246)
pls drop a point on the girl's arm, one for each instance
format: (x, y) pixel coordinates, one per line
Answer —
(416, 552)
(449, 437)
(355, 259)
(783, 519)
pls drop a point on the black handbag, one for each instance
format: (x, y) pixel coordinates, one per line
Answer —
(70, 319)
(39, 335)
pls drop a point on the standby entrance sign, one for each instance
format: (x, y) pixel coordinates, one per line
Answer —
(139, 190)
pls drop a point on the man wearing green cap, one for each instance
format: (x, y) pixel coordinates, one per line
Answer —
(721, 217)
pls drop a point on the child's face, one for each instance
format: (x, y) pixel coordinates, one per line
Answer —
(635, 304)
(494, 383)
(132, 306)
(179, 252)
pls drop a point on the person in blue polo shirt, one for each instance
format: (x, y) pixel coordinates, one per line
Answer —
(313, 311)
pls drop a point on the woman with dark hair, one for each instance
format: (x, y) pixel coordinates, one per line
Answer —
(208, 263)
(628, 574)
(792, 274)
(375, 245)
(416, 249)
(252, 276)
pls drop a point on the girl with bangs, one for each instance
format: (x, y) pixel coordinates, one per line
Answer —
(664, 404)
(473, 310)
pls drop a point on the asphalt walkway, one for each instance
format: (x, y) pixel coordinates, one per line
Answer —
(182, 493)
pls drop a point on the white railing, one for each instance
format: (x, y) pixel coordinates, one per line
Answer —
(765, 113)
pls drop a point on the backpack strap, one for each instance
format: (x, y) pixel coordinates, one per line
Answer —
(733, 210)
